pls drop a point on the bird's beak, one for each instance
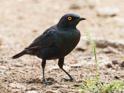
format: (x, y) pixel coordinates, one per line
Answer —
(82, 19)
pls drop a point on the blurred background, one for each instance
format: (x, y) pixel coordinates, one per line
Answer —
(21, 21)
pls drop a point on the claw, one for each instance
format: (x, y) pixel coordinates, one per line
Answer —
(47, 82)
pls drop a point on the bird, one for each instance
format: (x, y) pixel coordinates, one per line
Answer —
(56, 42)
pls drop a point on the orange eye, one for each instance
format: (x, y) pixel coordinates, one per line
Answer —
(69, 18)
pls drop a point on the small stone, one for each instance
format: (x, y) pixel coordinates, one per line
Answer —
(3, 70)
(114, 62)
(101, 43)
(34, 31)
(109, 65)
(110, 50)
(82, 46)
(77, 85)
(80, 49)
(122, 64)
(75, 6)
(116, 77)
(107, 11)
(107, 51)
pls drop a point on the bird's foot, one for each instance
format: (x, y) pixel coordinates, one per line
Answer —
(45, 82)
(48, 81)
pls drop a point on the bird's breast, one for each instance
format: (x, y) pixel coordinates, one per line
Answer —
(68, 41)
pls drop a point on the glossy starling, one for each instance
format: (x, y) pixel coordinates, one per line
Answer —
(56, 42)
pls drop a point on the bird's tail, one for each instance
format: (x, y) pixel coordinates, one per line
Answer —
(19, 54)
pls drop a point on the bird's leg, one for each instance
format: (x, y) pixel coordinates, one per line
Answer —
(61, 63)
(43, 64)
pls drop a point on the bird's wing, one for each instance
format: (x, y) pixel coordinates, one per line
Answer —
(43, 41)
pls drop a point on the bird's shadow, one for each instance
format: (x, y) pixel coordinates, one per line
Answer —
(37, 80)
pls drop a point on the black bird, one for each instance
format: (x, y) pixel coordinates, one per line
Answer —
(56, 42)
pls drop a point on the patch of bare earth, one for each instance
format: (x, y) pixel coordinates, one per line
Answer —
(23, 20)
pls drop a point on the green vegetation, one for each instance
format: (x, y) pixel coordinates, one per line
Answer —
(94, 84)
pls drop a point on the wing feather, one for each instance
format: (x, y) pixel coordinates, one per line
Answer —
(43, 41)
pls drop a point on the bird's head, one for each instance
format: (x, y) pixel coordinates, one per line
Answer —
(69, 21)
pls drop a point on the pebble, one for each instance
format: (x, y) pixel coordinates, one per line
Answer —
(75, 6)
(110, 50)
(84, 3)
(2, 72)
(101, 43)
(116, 77)
(109, 65)
(34, 31)
(80, 49)
(82, 46)
(122, 64)
(114, 62)
(107, 11)
(3, 69)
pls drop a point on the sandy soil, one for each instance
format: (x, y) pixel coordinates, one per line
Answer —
(23, 20)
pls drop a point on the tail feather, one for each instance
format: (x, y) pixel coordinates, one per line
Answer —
(19, 54)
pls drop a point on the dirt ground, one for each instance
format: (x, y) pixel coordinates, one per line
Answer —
(21, 21)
